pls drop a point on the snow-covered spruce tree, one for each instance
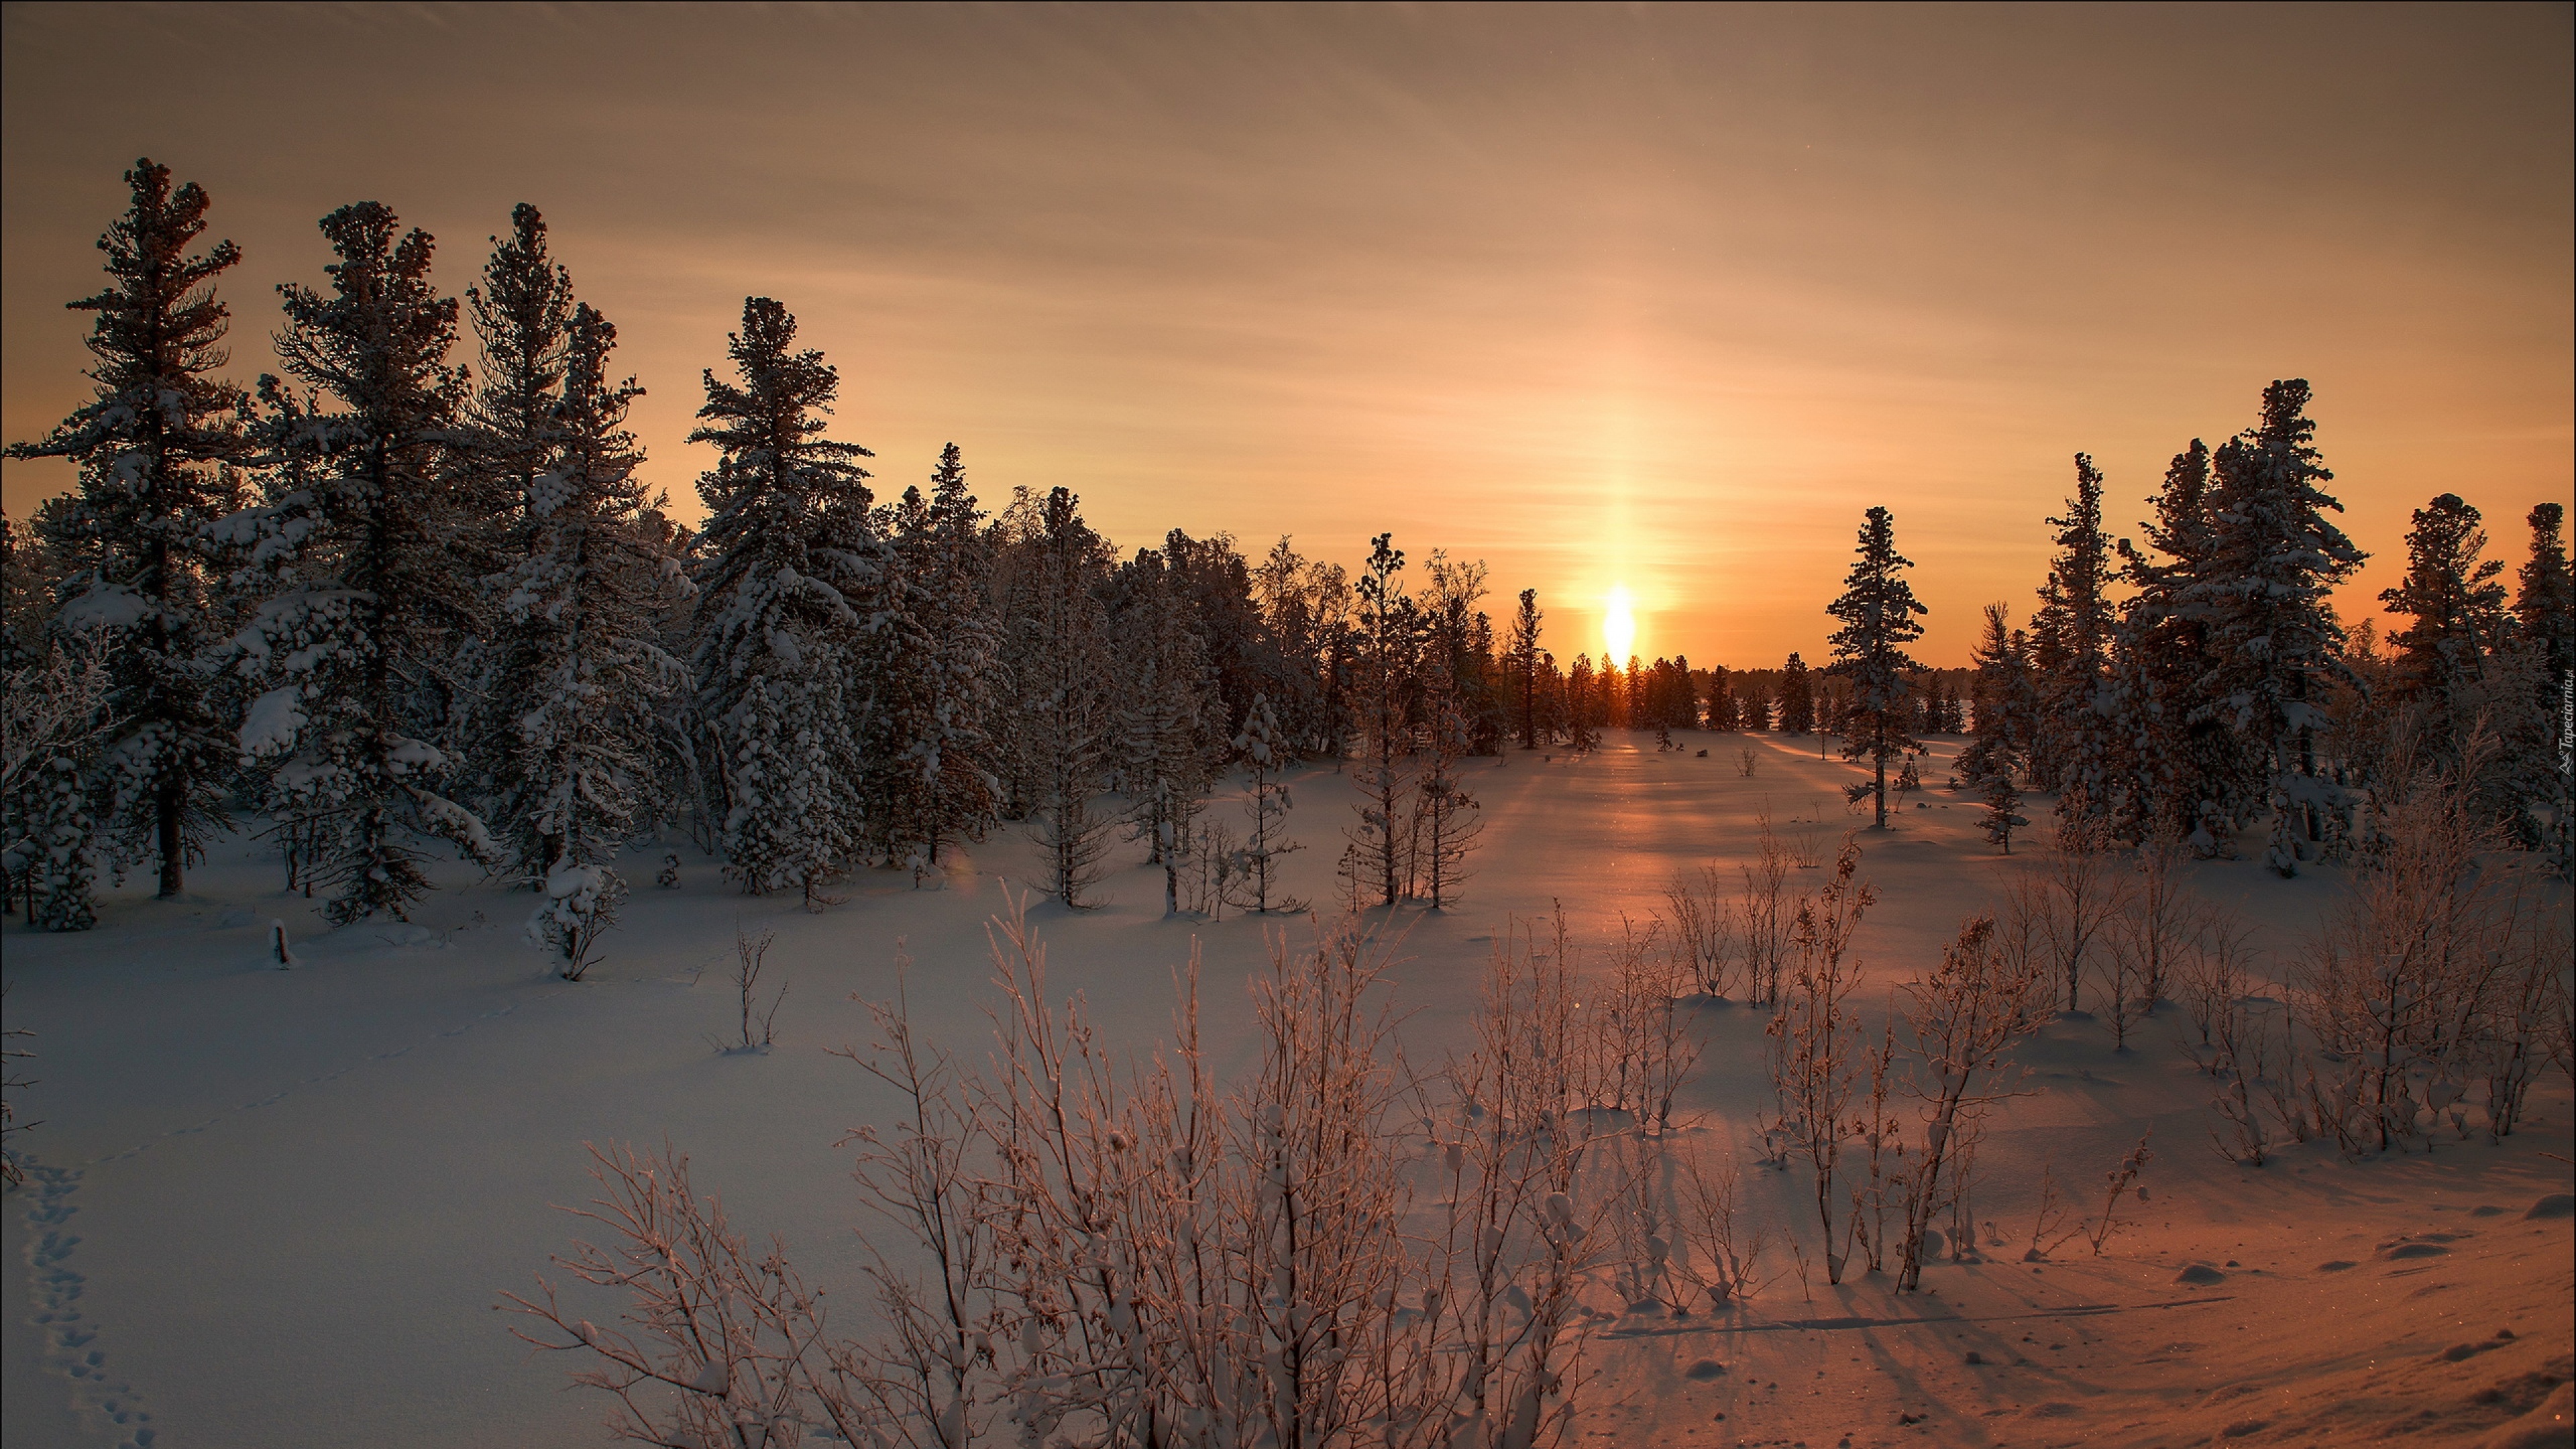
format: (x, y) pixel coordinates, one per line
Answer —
(2456, 614)
(1167, 739)
(1387, 634)
(2544, 608)
(2185, 771)
(521, 312)
(2070, 645)
(522, 316)
(2001, 691)
(1305, 608)
(2002, 802)
(2274, 560)
(581, 673)
(155, 446)
(1459, 637)
(1877, 610)
(1266, 803)
(786, 565)
(1059, 664)
(1445, 823)
(1521, 662)
(1797, 700)
(365, 605)
(931, 663)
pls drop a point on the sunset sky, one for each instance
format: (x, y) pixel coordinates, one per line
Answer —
(1652, 297)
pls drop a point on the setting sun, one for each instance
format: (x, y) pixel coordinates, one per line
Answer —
(1618, 627)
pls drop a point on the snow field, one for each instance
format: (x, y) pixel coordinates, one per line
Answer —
(278, 1207)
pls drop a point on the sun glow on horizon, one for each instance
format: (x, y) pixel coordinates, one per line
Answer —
(1618, 626)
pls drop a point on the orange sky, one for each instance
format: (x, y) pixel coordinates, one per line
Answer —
(1657, 296)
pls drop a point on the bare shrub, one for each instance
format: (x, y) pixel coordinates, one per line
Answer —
(1764, 916)
(2159, 920)
(12, 1172)
(1511, 1244)
(1069, 1247)
(2415, 974)
(757, 1032)
(929, 1377)
(1815, 1056)
(2216, 972)
(2116, 1184)
(1713, 1221)
(1964, 1020)
(2083, 893)
(1636, 1044)
(1884, 1179)
(1746, 761)
(719, 1345)
(2048, 1228)
(2246, 1054)
(1704, 929)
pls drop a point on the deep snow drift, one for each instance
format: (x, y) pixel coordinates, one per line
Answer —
(278, 1207)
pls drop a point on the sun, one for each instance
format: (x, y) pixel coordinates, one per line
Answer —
(1618, 626)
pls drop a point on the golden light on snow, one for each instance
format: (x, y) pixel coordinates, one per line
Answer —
(1618, 627)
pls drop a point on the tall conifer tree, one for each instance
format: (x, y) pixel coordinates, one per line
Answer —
(155, 446)
(1878, 613)
(1387, 632)
(582, 672)
(787, 565)
(2455, 610)
(1797, 699)
(358, 638)
(2275, 647)
(1060, 667)
(2071, 638)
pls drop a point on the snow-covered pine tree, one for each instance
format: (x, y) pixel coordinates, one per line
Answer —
(1301, 606)
(2274, 560)
(1797, 699)
(1387, 634)
(356, 636)
(2544, 608)
(1753, 705)
(582, 674)
(1721, 699)
(2001, 688)
(1521, 661)
(2002, 802)
(1167, 740)
(521, 311)
(1582, 698)
(2545, 603)
(934, 654)
(1445, 823)
(1265, 757)
(2071, 638)
(1059, 664)
(786, 568)
(2186, 771)
(2457, 618)
(1460, 639)
(155, 446)
(522, 316)
(1877, 609)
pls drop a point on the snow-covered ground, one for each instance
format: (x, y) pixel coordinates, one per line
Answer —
(278, 1207)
